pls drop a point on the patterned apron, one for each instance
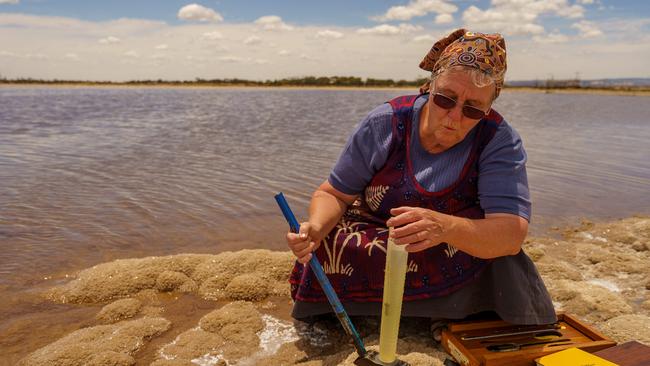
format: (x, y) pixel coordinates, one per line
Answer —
(353, 254)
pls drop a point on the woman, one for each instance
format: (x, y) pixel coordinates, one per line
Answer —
(448, 173)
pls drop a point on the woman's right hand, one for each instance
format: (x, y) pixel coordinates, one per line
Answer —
(303, 243)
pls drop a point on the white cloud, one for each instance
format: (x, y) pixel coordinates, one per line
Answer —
(518, 17)
(127, 26)
(72, 56)
(162, 47)
(195, 58)
(585, 2)
(554, 37)
(329, 34)
(424, 38)
(32, 21)
(417, 8)
(9, 1)
(444, 19)
(306, 57)
(252, 40)
(24, 48)
(213, 36)
(390, 30)
(36, 56)
(625, 26)
(117, 27)
(109, 40)
(243, 60)
(572, 12)
(272, 22)
(132, 54)
(28, 56)
(231, 59)
(196, 12)
(587, 29)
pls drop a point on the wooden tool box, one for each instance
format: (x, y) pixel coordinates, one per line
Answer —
(627, 354)
(497, 343)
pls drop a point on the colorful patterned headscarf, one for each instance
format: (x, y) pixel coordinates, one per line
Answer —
(486, 52)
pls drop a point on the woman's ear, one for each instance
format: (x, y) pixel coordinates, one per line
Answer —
(426, 87)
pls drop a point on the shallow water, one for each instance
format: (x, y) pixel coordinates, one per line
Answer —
(93, 174)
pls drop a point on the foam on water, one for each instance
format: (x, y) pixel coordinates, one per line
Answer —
(272, 337)
(611, 286)
(276, 333)
(210, 360)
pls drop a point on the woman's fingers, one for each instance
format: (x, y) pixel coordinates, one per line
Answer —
(414, 224)
(304, 230)
(293, 238)
(412, 238)
(419, 246)
(400, 210)
(406, 230)
(301, 235)
(305, 259)
(301, 244)
(404, 215)
(302, 252)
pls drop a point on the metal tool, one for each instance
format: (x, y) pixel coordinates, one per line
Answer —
(365, 358)
(545, 335)
(509, 347)
(497, 335)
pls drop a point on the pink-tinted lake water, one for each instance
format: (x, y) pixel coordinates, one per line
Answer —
(88, 175)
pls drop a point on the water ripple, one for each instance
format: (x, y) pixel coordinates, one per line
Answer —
(90, 175)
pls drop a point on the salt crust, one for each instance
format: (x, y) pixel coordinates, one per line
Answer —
(597, 271)
(113, 344)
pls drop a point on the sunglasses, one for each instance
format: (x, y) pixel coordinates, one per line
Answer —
(446, 102)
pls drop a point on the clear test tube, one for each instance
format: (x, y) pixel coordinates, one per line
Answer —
(394, 277)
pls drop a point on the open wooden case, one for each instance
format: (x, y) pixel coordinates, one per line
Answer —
(497, 343)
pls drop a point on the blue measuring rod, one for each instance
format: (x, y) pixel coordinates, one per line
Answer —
(324, 281)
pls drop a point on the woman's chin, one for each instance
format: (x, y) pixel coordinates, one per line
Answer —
(446, 139)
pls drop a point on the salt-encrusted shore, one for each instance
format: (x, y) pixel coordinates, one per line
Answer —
(599, 272)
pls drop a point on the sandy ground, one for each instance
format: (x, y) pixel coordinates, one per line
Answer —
(599, 272)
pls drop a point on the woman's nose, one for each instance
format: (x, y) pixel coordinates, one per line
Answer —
(456, 113)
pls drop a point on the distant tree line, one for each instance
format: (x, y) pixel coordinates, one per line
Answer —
(349, 81)
(333, 81)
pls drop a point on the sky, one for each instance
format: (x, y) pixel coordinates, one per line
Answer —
(122, 40)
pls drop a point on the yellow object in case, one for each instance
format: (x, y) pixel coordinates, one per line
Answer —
(573, 357)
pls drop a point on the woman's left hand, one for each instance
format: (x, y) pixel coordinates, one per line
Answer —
(419, 228)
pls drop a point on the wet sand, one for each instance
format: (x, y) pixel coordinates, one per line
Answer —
(233, 308)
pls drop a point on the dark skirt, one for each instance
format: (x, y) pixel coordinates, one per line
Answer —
(510, 286)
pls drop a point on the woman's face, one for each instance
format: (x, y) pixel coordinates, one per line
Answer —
(450, 126)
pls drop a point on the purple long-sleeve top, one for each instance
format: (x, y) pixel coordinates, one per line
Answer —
(502, 183)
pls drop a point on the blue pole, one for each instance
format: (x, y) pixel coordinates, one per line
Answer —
(324, 281)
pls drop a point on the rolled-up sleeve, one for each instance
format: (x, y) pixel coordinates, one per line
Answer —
(503, 182)
(364, 153)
